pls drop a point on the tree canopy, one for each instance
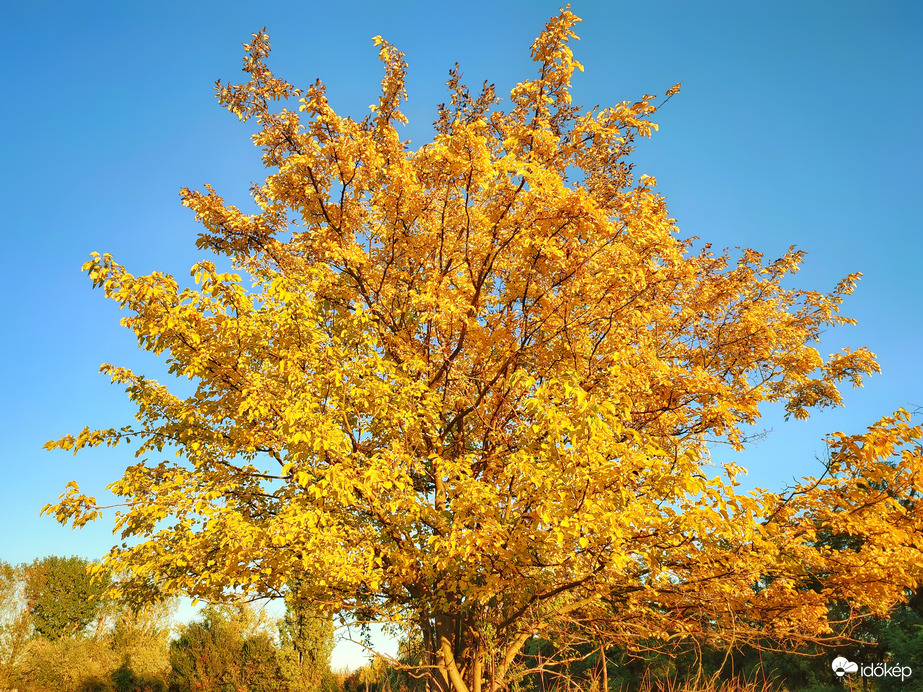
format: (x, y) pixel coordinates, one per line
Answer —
(62, 596)
(471, 389)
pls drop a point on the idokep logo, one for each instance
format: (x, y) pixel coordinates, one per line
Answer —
(842, 666)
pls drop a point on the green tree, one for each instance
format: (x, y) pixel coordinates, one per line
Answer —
(306, 643)
(62, 596)
(900, 640)
(125, 651)
(225, 650)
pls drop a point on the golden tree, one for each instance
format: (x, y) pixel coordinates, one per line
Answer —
(470, 389)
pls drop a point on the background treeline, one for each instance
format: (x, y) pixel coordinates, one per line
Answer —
(58, 634)
(898, 639)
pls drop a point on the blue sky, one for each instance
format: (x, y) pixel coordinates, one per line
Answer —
(798, 124)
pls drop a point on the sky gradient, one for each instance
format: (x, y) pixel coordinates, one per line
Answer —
(798, 124)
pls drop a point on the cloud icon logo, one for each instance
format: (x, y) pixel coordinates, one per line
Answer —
(841, 666)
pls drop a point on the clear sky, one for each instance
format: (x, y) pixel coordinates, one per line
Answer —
(799, 123)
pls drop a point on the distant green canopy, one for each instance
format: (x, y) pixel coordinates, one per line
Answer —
(63, 598)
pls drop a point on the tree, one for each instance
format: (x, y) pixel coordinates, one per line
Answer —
(15, 624)
(224, 650)
(305, 644)
(140, 638)
(62, 596)
(125, 650)
(470, 389)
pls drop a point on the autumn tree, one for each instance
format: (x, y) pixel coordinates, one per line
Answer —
(470, 389)
(15, 623)
(141, 638)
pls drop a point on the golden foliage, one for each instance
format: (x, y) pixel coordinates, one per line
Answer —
(470, 387)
